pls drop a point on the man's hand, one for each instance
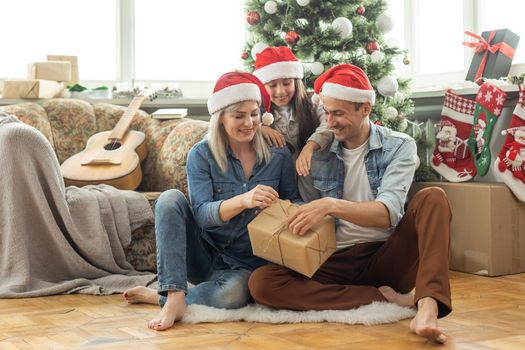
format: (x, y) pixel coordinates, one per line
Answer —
(261, 196)
(303, 162)
(273, 137)
(309, 215)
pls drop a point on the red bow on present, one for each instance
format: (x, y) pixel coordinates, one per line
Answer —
(484, 46)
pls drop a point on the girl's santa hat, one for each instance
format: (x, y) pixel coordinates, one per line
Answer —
(277, 63)
(345, 82)
(234, 87)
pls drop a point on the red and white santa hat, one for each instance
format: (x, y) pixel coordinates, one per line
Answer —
(277, 62)
(234, 87)
(345, 82)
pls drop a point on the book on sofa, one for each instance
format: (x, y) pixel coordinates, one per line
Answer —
(170, 113)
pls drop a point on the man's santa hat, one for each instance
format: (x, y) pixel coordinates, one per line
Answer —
(345, 82)
(277, 63)
(234, 87)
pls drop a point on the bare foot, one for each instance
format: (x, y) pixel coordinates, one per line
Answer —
(141, 295)
(171, 312)
(425, 322)
(397, 298)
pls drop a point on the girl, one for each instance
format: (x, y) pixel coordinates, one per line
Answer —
(297, 122)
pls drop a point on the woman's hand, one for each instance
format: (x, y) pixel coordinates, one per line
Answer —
(303, 162)
(273, 137)
(261, 196)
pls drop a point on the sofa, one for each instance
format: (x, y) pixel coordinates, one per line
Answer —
(68, 123)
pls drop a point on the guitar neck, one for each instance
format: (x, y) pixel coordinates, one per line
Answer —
(125, 121)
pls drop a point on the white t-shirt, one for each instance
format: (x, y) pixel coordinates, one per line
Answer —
(357, 189)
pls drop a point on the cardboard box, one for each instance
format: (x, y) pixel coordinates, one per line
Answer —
(51, 70)
(272, 240)
(488, 228)
(497, 64)
(73, 60)
(32, 89)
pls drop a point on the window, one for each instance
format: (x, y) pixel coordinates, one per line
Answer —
(194, 40)
(85, 28)
(434, 32)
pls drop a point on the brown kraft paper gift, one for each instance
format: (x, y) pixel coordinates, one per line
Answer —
(272, 240)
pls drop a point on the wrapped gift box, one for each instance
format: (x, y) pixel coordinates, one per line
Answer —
(50, 70)
(493, 54)
(73, 60)
(487, 234)
(272, 240)
(32, 89)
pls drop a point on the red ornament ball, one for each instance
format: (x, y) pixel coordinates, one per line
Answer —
(378, 122)
(253, 18)
(292, 37)
(244, 55)
(372, 46)
(360, 10)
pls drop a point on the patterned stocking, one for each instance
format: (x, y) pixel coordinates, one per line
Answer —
(452, 159)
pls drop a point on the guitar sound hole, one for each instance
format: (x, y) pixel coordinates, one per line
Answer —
(112, 146)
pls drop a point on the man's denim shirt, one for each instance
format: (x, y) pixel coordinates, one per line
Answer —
(391, 161)
(208, 187)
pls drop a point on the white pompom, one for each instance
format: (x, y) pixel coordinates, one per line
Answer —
(303, 2)
(270, 7)
(343, 26)
(267, 119)
(391, 112)
(257, 48)
(377, 56)
(316, 99)
(387, 86)
(385, 23)
(317, 68)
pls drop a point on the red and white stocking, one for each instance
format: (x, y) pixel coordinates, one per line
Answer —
(452, 158)
(510, 162)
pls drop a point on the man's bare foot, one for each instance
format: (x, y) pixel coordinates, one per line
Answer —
(425, 322)
(141, 295)
(171, 312)
(397, 298)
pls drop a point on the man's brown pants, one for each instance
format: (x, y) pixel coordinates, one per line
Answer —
(416, 255)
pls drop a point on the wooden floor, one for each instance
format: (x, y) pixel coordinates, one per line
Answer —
(489, 313)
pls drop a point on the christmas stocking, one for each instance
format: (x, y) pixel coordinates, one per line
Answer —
(510, 160)
(489, 104)
(452, 158)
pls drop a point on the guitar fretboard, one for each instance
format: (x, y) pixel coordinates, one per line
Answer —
(125, 121)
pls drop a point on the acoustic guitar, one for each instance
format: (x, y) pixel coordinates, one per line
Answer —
(111, 157)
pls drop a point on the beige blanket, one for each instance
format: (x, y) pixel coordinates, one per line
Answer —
(54, 239)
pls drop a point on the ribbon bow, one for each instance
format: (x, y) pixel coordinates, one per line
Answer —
(485, 46)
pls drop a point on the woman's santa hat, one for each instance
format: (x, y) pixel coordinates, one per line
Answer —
(345, 82)
(277, 63)
(235, 87)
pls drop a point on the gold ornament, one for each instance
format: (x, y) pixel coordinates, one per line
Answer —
(406, 59)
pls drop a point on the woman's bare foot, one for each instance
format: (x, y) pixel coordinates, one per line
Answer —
(397, 298)
(141, 295)
(425, 322)
(171, 312)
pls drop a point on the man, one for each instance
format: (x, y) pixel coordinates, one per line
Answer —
(382, 253)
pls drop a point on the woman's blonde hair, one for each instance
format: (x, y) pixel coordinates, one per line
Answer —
(218, 140)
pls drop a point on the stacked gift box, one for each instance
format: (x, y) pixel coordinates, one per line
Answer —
(44, 79)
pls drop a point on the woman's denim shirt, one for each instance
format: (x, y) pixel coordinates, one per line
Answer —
(208, 187)
(390, 163)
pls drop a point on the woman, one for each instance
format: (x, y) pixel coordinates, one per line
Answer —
(298, 122)
(231, 176)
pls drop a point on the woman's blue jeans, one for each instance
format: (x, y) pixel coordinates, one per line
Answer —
(183, 256)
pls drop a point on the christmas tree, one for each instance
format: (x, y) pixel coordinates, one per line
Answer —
(323, 34)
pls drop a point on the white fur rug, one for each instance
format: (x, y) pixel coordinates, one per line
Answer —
(372, 314)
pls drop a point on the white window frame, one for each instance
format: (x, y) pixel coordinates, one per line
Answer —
(473, 15)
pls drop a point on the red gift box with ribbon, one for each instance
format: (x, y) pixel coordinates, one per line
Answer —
(493, 54)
